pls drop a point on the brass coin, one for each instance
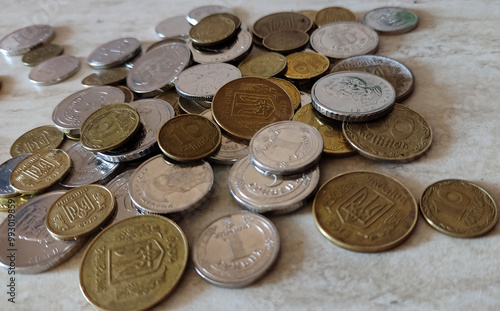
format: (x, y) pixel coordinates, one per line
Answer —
(129, 95)
(80, 212)
(401, 136)
(190, 106)
(263, 65)
(212, 30)
(109, 127)
(245, 105)
(291, 90)
(236, 20)
(73, 137)
(309, 13)
(365, 211)
(333, 15)
(459, 208)
(111, 76)
(40, 170)
(11, 203)
(280, 22)
(286, 41)
(41, 53)
(334, 142)
(189, 137)
(172, 97)
(306, 65)
(40, 138)
(134, 264)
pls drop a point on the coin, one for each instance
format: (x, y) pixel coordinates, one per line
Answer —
(172, 27)
(306, 65)
(401, 136)
(171, 97)
(114, 53)
(286, 41)
(11, 203)
(125, 208)
(25, 39)
(197, 14)
(391, 20)
(365, 211)
(129, 96)
(75, 137)
(189, 137)
(40, 170)
(164, 42)
(305, 99)
(6, 189)
(41, 53)
(263, 65)
(281, 21)
(191, 106)
(43, 137)
(290, 89)
(134, 264)
(212, 30)
(109, 127)
(309, 13)
(232, 51)
(333, 15)
(54, 70)
(111, 76)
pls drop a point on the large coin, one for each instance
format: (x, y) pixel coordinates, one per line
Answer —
(391, 20)
(25, 39)
(43, 137)
(280, 22)
(114, 53)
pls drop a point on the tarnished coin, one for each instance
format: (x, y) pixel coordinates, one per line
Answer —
(129, 96)
(25, 39)
(236, 250)
(54, 70)
(459, 208)
(171, 97)
(390, 69)
(291, 90)
(40, 170)
(197, 14)
(306, 65)
(43, 137)
(6, 189)
(41, 53)
(111, 76)
(189, 137)
(344, 39)
(333, 15)
(134, 264)
(173, 27)
(11, 203)
(263, 65)
(391, 20)
(80, 212)
(281, 21)
(212, 30)
(125, 208)
(233, 51)
(365, 211)
(162, 188)
(353, 96)
(401, 136)
(114, 53)
(109, 127)
(286, 41)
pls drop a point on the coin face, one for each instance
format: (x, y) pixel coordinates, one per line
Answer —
(365, 211)
(212, 30)
(134, 264)
(43, 137)
(41, 53)
(111, 76)
(306, 65)
(54, 70)
(114, 53)
(6, 189)
(459, 208)
(391, 20)
(286, 41)
(263, 65)
(25, 39)
(333, 15)
(233, 51)
(281, 21)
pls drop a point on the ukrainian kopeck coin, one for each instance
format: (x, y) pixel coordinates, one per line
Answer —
(54, 70)
(6, 189)
(235, 50)
(41, 53)
(42, 137)
(391, 20)
(114, 53)
(196, 15)
(25, 39)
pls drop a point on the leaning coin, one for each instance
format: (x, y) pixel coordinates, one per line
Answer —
(365, 211)
(43, 137)
(459, 208)
(306, 65)
(197, 14)
(111, 76)
(54, 70)
(6, 189)
(286, 41)
(281, 21)
(401, 136)
(114, 53)
(11, 203)
(41, 53)
(36, 250)
(25, 39)
(291, 90)
(263, 65)
(236, 250)
(391, 20)
(212, 30)
(333, 15)
(125, 208)
(233, 51)
(173, 27)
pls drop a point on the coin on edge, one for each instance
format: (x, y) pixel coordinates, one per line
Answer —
(391, 20)
(54, 70)
(43, 137)
(41, 53)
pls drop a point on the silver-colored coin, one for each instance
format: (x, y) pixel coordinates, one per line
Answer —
(156, 70)
(201, 82)
(162, 188)
(236, 250)
(344, 39)
(33, 249)
(25, 39)
(152, 114)
(234, 51)
(286, 147)
(54, 70)
(88, 168)
(114, 53)
(391, 20)
(264, 193)
(353, 96)
(125, 208)
(305, 99)
(197, 14)
(191, 106)
(173, 27)
(6, 189)
(69, 114)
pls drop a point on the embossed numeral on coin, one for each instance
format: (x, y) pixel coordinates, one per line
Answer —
(451, 202)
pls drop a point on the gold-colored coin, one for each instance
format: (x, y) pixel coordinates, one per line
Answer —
(134, 264)
(190, 106)
(236, 20)
(172, 97)
(309, 13)
(129, 95)
(40, 170)
(334, 142)
(291, 90)
(459, 208)
(286, 41)
(189, 137)
(75, 137)
(401, 136)
(333, 15)
(212, 30)
(245, 105)
(40, 138)
(263, 65)
(11, 203)
(306, 65)
(365, 211)
(41, 53)
(109, 127)
(80, 212)
(281, 21)
(111, 76)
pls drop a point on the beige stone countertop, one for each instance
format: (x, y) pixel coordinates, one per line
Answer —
(454, 56)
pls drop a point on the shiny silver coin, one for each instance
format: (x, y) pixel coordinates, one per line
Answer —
(114, 53)
(6, 189)
(25, 39)
(263, 193)
(197, 14)
(236, 250)
(125, 208)
(234, 51)
(162, 188)
(32, 249)
(191, 106)
(69, 114)
(173, 27)
(391, 20)
(152, 114)
(353, 96)
(54, 70)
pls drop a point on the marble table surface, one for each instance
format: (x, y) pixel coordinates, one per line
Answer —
(454, 56)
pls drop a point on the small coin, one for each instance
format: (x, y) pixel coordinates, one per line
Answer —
(212, 30)
(25, 39)
(459, 208)
(365, 211)
(291, 90)
(197, 14)
(109, 127)
(263, 65)
(189, 137)
(391, 20)
(125, 208)
(333, 15)
(54, 70)
(232, 51)
(11, 203)
(43, 137)
(6, 189)
(171, 97)
(401, 136)
(286, 41)
(173, 27)
(41, 53)
(306, 65)
(114, 53)
(281, 21)
(111, 76)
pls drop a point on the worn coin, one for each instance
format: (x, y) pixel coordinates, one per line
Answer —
(263, 65)
(173, 27)
(291, 90)
(281, 21)
(212, 30)
(54, 70)
(111, 76)
(41, 53)
(306, 65)
(333, 15)
(232, 51)
(125, 208)
(197, 14)
(114, 53)
(391, 20)
(43, 137)
(286, 41)
(6, 189)
(25, 39)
